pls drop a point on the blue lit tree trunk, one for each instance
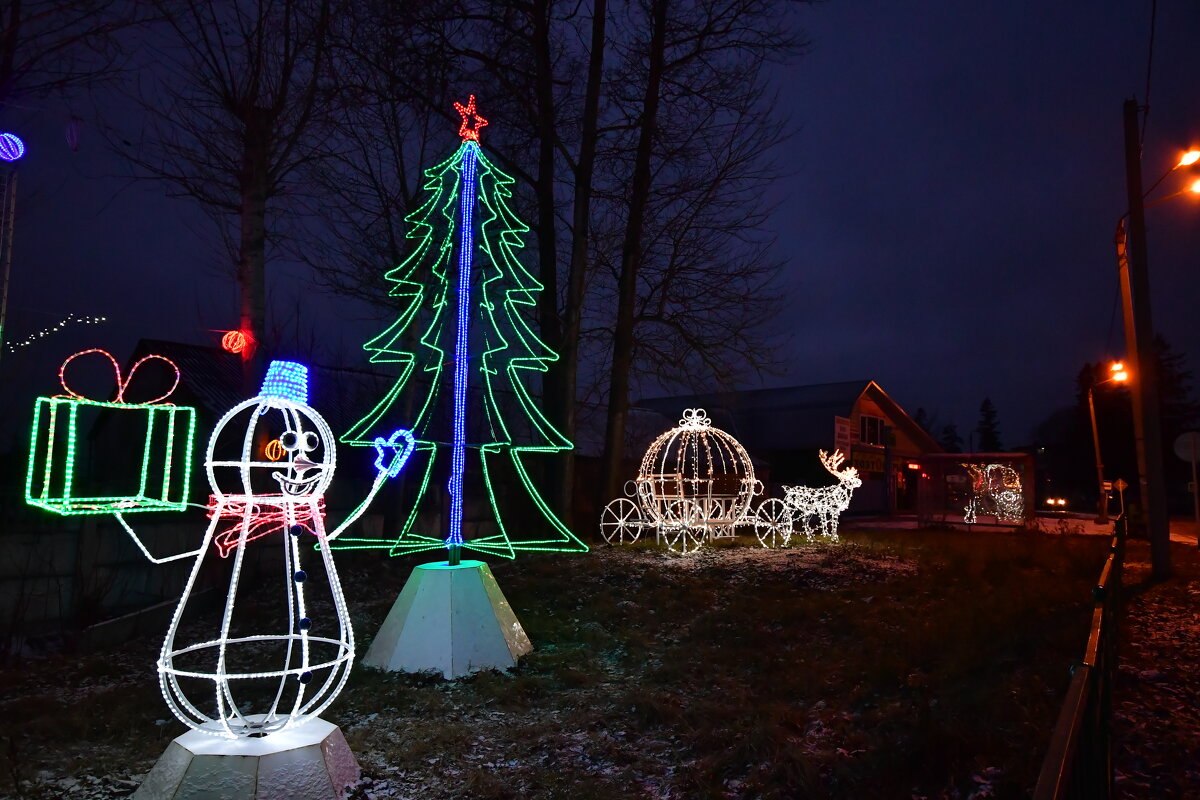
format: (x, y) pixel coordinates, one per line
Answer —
(473, 312)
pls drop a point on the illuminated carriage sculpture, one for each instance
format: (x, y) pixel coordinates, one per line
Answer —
(696, 483)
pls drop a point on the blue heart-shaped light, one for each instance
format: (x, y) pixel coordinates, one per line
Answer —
(400, 458)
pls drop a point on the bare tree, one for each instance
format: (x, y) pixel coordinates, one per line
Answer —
(53, 46)
(234, 106)
(632, 250)
(666, 254)
(380, 137)
(581, 217)
(695, 262)
(405, 64)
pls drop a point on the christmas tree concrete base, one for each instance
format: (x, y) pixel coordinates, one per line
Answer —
(449, 619)
(308, 762)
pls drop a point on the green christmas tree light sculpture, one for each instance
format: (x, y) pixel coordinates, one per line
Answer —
(464, 288)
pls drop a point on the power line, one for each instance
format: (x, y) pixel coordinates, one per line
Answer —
(1149, 67)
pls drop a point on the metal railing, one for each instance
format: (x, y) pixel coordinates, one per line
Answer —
(1078, 763)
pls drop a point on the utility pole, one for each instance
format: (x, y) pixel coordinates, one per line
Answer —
(8, 215)
(1139, 351)
(1102, 518)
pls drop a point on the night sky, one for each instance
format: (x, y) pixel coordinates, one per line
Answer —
(948, 216)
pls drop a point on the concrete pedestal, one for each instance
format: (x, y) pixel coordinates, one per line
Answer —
(453, 620)
(309, 762)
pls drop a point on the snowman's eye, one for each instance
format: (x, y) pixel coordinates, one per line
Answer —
(309, 442)
(289, 440)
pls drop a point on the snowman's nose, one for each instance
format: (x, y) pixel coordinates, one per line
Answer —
(302, 464)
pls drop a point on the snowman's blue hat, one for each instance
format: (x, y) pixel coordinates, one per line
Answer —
(286, 380)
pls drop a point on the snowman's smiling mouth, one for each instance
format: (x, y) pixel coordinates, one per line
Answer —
(300, 485)
(297, 487)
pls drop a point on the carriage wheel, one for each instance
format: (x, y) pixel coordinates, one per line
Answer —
(620, 522)
(683, 528)
(773, 523)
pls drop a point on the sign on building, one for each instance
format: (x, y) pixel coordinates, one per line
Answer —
(841, 434)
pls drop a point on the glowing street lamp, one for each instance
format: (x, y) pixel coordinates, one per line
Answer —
(1117, 374)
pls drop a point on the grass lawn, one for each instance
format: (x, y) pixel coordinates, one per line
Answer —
(896, 664)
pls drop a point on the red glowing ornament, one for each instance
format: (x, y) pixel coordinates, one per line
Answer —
(468, 114)
(236, 341)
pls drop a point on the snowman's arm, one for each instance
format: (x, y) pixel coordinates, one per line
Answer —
(402, 444)
(358, 512)
(137, 540)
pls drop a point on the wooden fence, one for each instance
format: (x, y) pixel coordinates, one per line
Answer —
(1078, 763)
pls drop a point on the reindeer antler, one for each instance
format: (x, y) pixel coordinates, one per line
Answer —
(831, 462)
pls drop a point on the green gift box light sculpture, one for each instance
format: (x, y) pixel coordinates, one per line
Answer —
(167, 430)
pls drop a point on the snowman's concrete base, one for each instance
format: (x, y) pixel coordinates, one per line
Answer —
(452, 620)
(309, 762)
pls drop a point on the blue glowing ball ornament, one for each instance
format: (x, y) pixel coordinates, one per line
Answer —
(11, 147)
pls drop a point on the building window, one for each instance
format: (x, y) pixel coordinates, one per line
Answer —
(871, 430)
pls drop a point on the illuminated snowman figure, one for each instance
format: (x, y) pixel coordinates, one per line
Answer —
(283, 655)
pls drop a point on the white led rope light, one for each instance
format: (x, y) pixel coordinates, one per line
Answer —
(676, 490)
(995, 490)
(825, 503)
(295, 509)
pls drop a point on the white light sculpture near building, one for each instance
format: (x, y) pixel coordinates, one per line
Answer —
(995, 490)
(695, 482)
(234, 682)
(827, 502)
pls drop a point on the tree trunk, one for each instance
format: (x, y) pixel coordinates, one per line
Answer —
(581, 218)
(8, 51)
(252, 240)
(622, 357)
(548, 321)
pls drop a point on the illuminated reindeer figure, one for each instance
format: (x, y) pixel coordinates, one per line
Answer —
(995, 490)
(826, 503)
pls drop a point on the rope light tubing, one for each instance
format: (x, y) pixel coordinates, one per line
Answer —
(167, 433)
(825, 503)
(466, 210)
(209, 683)
(465, 250)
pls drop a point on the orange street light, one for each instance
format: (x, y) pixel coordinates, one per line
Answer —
(1117, 374)
(1189, 158)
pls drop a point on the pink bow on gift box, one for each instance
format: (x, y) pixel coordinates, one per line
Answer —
(122, 385)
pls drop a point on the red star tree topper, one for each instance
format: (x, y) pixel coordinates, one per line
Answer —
(468, 114)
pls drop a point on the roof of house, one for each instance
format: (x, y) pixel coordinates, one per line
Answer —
(791, 417)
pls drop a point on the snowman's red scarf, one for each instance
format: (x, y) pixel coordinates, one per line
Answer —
(261, 515)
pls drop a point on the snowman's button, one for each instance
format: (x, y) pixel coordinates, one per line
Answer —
(296, 530)
(300, 576)
(304, 677)
(304, 624)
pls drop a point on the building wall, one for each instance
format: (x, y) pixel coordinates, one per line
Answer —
(883, 466)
